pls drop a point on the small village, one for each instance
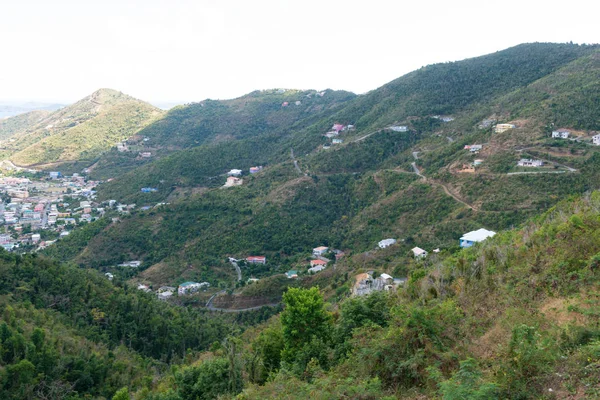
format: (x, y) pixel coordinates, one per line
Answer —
(35, 212)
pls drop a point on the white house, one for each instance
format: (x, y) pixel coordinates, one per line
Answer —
(474, 148)
(398, 128)
(337, 141)
(165, 295)
(235, 172)
(319, 251)
(503, 127)
(525, 162)
(470, 238)
(191, 287)
(386, 243)
(596, 140)
(387, 279)
(316, 268)
(419, 252)
(561, 134)
(109, 276)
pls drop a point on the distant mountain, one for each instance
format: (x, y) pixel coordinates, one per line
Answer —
(12, 108)
(82, 131)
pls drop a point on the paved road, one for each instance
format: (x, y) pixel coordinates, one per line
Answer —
(367, 135)
(237, 269)
(416, 169)
(295, 162)
(538, 172)
(415, 155)
(450, 139)
(45, 215)
(212, 308)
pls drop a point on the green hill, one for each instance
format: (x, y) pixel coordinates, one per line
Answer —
(13, 125)
(510, 318)
(81, 131)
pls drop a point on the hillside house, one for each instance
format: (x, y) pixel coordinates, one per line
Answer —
(54, 174)
(109, 276)
(315, 263)
(131, 264)
(470, 238)
(164, 296)
(337, 127)
(561, 134)
(419, 252)
(316, 268)
(398, 128)
(235, 172)
(143, 288)
(526, 162)
(331, 134)
(337, 141)
(486, 123)
(252, 280)
(596, 140)
(122, 147)
(148, 190)
(255, 170)
(256, 259)
(285, 104)
(474, 148)
(386, 243)
(292, 274)
(477, 162)
(145, 154)
(233, 181)
(166, 289)
(298, 102)
(387, 279)
(191, 287)
(319, 251)
(504, 127)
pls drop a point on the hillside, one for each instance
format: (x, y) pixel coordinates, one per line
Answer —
(259, 119)
(354, 194)
(514, 317)
(11, 126)
(82, 131)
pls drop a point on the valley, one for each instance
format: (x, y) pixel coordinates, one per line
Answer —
(433, 238)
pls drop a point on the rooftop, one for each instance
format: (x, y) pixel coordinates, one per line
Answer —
(478, 235)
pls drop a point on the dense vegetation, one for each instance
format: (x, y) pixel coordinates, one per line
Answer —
(514, 318)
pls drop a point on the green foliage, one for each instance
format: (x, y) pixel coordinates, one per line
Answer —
(303, 320)
(465, 384)
(122, 394)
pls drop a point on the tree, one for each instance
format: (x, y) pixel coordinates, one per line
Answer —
(466, 384)
(122, 394)
(303, 318)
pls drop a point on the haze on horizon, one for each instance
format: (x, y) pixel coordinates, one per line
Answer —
(185, 50)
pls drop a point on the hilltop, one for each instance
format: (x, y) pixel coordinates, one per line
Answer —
(79, 133)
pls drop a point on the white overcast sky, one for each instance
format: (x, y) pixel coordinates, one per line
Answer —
(189, 50)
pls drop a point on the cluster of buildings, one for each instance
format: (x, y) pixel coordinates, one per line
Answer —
(38, 206)
(233, 176)
(334, 132)
(365, 283)
(167, 292)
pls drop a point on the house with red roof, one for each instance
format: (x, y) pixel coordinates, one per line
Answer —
(257, 259)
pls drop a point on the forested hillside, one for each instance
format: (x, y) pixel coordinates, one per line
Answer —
(514, 317)
(71, 333)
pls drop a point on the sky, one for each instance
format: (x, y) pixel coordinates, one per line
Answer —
(185, 50)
